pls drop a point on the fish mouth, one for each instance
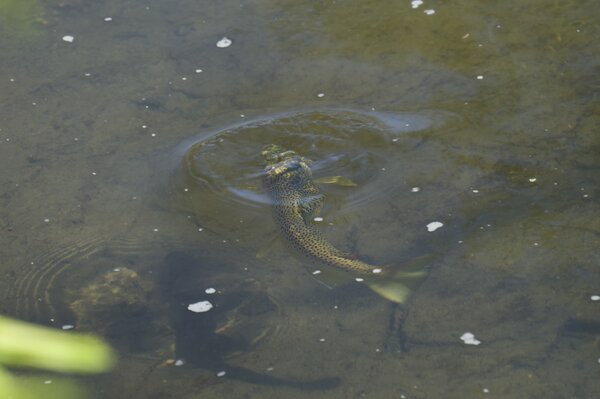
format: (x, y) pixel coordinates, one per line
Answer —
(273, 153)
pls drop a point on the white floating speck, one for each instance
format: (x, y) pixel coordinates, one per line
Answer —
(270, 368)
(377, 271)
(116, 270)
(416, 3)
(479, 77)
(200, 229)
(321, 339)
(94, 173)
(224, 42)
(46, 220)
(200, 307)
(429, 12)
(48, 382)
(415, 189)
(318, 219)
(317, 272)
(107, 19)
(595, 297)
(183, 78)
(533, 179)
(485, 390)
(321, 95)
(394, 140)
(68, 327)
(210, 290)
(179, 362)
(221, 373)
(359, 279)
(155, 230)
(469, 339)
(475, 191)
(433, 226)
(198, 70)
(68, 38)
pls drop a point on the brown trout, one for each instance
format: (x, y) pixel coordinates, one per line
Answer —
(297, 201)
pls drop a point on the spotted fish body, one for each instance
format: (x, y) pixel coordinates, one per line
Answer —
(297, 201)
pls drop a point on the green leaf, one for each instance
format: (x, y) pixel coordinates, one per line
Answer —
(27, 345)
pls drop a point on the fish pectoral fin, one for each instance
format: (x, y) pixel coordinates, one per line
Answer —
(337, 180)
(268, 247)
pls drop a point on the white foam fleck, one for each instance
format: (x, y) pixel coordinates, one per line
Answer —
(475, 191)
(479, 77)
(321, 95)
(198, 70)
(485, 390)
(179, 362)
(317, 272)
(68, 38)
(429, 12)
(433, 226)
(318, 219)
(68, 327)
(359, 279)
(415, 189)
(200, 307)
(46, 220)
(48, 382)
(224, 42)
(155, 230)
(469, 339)
(116, 269)
(595, 297)
(533, 179)
(221, 373)
(107, 19)
(416, 3)
(377, 270)
(210, 290)
(321, 339)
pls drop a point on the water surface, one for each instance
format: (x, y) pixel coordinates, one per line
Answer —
(135, 149)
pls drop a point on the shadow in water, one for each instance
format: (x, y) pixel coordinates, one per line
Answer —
(242, 317)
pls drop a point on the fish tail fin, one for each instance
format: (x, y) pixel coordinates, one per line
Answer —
(397, 286)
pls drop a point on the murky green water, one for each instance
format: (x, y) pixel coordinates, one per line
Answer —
(131, 184)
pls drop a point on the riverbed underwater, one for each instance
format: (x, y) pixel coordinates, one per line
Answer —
(455, 142)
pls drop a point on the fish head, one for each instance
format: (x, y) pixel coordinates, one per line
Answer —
(273, 153)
